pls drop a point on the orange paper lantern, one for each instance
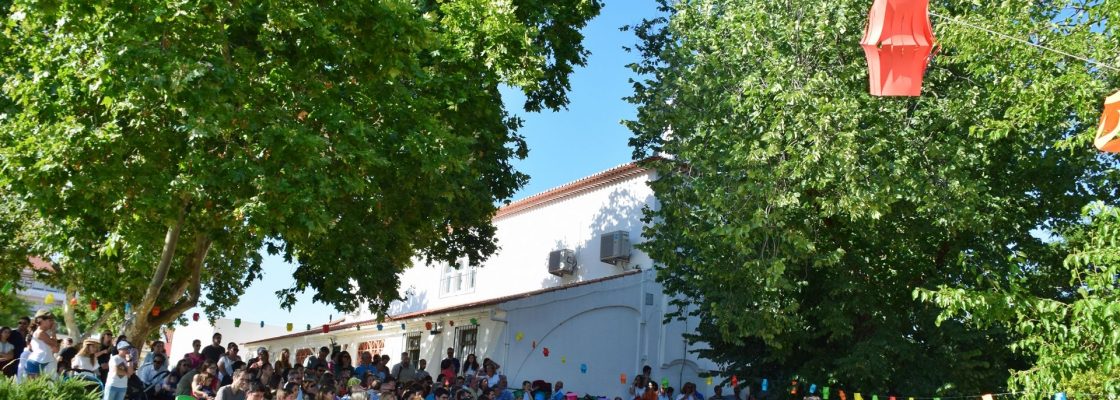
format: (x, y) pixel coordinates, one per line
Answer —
(1110, 125)
(73, 301)
(428, 326)
(622, 378)
(155, 311)
(897, 43)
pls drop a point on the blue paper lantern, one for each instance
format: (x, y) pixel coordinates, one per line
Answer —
(380, 327)
(583, 368)
(764, 385)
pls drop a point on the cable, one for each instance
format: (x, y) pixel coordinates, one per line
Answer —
(1039, 46)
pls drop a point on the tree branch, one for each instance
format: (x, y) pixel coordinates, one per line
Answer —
(192, 285)
(170, 243)
(94, 328)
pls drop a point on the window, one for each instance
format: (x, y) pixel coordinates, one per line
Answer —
(466, 338)
(457, 280)
(412, 347)
(302, 355)
(374, 347)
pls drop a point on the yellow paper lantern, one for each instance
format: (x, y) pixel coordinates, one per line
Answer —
(49, 299)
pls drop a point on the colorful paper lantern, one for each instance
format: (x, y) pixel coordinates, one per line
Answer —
(519, 336)
(874, 397)
(155, 311)
(262, 324)
(1060, 396)
(308, 326)
(108, 306)
(289, 327)
(813, 389)
(402, 327)
(48, 299)
(128, 308)
(1110, 126)
(195, 316)
(622, 378)
(563, 360)
(73, 301)
(735, 382)
(8, 287)
(380, 327)
(897, 44)
(474, 321)
(664, 382)
(793, 387)
(359, 327)
(708, 381)
(237, 322)
(583, 368)
(824, 393)
(451, 323)
(858, 396)
(545, 351)
(326, 328)
(765, 384)
(93, 305)
(428, 326)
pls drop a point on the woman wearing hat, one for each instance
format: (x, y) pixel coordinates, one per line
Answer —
(86, 360)
(43, 343)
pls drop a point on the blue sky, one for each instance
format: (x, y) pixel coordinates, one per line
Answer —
(563, 146)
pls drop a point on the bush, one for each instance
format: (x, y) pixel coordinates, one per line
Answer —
(48, 389)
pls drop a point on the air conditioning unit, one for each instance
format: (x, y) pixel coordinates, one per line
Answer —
(562, 262)
(614, 248)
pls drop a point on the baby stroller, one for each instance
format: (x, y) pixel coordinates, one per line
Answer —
(95, 383)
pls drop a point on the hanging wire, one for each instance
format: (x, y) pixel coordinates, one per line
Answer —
(1039, 46)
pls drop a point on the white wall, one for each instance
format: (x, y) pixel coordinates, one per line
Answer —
(526, 238)
(202, 330)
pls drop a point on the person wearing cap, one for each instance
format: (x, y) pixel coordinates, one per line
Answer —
(120, 369)
(43, 343)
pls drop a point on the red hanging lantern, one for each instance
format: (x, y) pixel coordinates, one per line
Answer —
(195, 317)
(428, 326)
(897, 43)
(1110, 125)
(155, 311)
(734, 381)
(545, 351)
(622, 378)
(93, 305)
(326, 328)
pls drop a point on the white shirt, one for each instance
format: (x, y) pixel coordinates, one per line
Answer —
(40, 351)
(84, 363)
(113, 380)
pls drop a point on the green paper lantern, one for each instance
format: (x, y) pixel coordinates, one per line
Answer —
(262, 324)
(402, 326)
(308, 326)
(824, 393)
(474, 321)
(237, 322)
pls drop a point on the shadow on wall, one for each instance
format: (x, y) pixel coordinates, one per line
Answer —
(621, 212)
(415, 300)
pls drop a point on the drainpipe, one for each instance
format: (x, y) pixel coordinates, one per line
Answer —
(505, 333)
(641, 353)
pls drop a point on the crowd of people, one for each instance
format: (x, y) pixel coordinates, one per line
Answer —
(218, 372)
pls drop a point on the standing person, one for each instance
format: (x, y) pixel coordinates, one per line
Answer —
(196, 359)
(455, 364)
(422, 373)
(121, 368)
(7, 349)
(214, 351)
(470, 366)
(18, 337)
(384, 367)
(104, 353)
(403, 371)
(365, 364)
(283, 362)
(313, 362)
(43, 343)
(236, 389)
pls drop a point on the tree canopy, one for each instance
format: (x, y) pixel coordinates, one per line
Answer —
(798, 213)
(151, 149)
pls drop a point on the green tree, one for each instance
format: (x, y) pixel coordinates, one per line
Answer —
(1072, 337)
(153, 148)
(12, 307)
(797, 212)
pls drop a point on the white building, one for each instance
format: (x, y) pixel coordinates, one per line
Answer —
(597, 322)
(178, 341)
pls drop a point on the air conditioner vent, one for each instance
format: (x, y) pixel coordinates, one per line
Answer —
(562, 262)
